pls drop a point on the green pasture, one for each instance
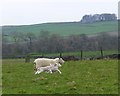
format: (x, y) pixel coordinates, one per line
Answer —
(65, 28)
(78, 77)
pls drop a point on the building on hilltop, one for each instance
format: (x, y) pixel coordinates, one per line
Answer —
(98, 17)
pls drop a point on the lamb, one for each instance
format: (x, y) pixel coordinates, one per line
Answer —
(50, 69)
(55, 67)
(45, 69)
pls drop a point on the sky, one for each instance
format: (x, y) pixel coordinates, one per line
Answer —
(26, 12)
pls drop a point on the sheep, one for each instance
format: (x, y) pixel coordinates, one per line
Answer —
(55, 68)
(49, 69)
(42, 62)
(45, 69)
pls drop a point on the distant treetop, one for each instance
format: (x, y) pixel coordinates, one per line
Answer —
(98, 17)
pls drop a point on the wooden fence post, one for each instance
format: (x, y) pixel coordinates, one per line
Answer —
(101, 51)
(60, 55)
(81, 57)
(27, 58)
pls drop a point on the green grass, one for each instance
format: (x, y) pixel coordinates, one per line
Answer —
(64, 29)
(78, 77)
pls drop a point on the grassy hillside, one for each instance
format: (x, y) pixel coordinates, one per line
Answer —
(78, 77)
(65, 28)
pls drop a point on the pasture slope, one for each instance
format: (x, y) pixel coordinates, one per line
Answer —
(78, 77)
(64, 28)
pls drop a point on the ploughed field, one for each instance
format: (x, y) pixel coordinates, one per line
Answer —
(78, 77)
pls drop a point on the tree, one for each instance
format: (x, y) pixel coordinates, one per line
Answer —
(15, 36)
(55, 43)
(42, 42)
(29, 37)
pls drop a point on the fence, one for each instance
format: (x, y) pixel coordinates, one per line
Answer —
(82, 55)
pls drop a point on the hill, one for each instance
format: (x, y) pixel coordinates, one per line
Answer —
(64, 28)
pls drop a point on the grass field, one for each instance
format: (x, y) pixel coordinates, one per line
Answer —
(65, 28)
(78, 77)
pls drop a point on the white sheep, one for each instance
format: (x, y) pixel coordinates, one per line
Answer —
(50, 69)
(42, 62)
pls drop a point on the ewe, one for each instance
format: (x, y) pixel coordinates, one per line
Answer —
(42, 62)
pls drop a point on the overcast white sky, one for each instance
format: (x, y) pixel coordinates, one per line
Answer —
(24, 12)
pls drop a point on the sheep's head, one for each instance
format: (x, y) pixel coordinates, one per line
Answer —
(61, 61)
(57, 64)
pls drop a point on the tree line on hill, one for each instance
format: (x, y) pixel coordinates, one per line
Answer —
(98, 17)
(54, 43)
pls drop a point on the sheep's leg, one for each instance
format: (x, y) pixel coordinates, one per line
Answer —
(59, 71)
(50, 71)
(40, 71)
(36, 72)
